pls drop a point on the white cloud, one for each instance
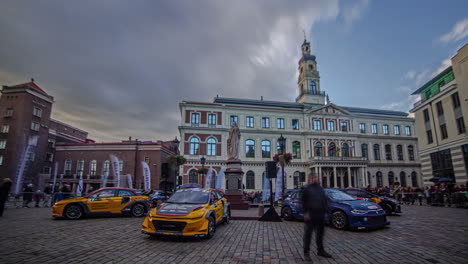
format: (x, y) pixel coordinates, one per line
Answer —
(458, 32)
(444, 65)
(355, 11)
(410, 75)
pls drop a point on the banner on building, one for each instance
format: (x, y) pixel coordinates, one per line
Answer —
(79, 188)
(115, 168)
(219, 181)
(209, 178)
(266, 188)
(105, 174)
(279, 185)
(146, 175)
(55, 176)
(129, 181)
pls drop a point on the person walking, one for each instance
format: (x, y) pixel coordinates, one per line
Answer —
(315, 204)
(47, 195)
(4, 191)
(27, 195)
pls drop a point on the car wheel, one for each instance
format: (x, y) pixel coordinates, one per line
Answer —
(227, 219)
(73, 212)
(387, 208)
(138, 210)
(211, 227)
(339, 220)
(286, 213)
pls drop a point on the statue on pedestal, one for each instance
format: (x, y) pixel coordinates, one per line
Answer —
(233, 142)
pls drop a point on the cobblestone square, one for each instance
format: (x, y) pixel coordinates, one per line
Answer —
(420, 235)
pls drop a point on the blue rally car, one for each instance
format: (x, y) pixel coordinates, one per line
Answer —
(344, 211)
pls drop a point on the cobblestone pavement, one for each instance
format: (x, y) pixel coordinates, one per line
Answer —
(421, 235)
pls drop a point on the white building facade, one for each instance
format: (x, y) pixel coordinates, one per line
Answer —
(345, 146)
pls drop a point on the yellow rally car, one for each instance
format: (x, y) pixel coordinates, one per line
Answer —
(189, 212)
(103, 201)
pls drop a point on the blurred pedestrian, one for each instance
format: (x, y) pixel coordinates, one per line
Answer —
(315, 204)
(47, 195)
(4, 192)
(27, 195)
(37, 197)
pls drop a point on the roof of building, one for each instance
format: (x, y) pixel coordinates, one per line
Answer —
(307, 57)
(31, 85)
(433, 80)
(300, 106)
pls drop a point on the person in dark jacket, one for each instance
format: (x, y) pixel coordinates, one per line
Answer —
(27, 195)
(314, 201)
(4, 191)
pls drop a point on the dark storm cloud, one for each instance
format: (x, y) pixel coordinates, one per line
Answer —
(120, 68)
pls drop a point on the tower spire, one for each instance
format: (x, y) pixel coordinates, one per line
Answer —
(305, 39)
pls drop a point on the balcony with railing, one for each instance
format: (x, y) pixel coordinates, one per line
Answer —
(321, 93)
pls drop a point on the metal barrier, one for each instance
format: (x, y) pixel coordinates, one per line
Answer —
(34, 199)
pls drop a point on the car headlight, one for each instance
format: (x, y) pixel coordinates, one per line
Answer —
(358, 211)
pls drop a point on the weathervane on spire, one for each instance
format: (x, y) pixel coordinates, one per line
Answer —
(304, 35)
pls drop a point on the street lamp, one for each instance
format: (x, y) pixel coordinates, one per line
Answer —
(203, 160)
(175, 145)
(282, 143)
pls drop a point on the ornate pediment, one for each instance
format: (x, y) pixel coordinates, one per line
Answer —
(330, 109)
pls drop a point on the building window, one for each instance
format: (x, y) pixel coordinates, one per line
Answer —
(296, 146)
(331, 125)
(410, 152)
(313, 88)
(408, 130)
(396, 130)
(68, 167)
(443, 131)
(365, 151)
(250, 148)
(362, 128)
(46, 170)
(403, 179)
(147, 160)
(32, 156)
(51, 143)
(426, 115)
(195, 120)
(399, 152)
(429, 136)
(194, 146)
(318, 149)
(332, 150)
(37, 112)
(193, 176)
(385, 129)
(211, 120)
(317, 125)
(80, 168)
(5, 128)
(49, 156)
(379, 179)
(249, 121)
(345, 150)
(376, 151)
(121, 166)
(2, 144)
(461, 125)
(296, 177)
(391, 178)
(374, 128)
(414, 179)
(455, 100)
(105, 169)
(233, 119)
(265, 122)
(280, 123)
(250, 180)
(35, 126)
(295, 124)
(442, 164)
(211, 147)
(9, 112)
(266, 149)
(440, 109)
(93, 167)
(388, 152)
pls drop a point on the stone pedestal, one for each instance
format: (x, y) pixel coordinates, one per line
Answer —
(233, 193)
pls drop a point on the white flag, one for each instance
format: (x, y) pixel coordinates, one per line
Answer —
(219, 181)
(129, 181)
(79, 189)
(279, 184)
(266, 188)
(146, 175)
(55, 176)
(209, 178)
(116, 168)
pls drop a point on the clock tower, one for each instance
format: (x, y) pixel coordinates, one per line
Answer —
(309, 78)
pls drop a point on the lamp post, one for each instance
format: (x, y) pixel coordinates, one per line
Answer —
(175, 144)
(282, 143)
(203, 160)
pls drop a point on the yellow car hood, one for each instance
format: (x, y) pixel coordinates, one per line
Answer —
(173, 209)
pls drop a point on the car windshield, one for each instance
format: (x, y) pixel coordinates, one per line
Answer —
(339, 195)
(190, 197)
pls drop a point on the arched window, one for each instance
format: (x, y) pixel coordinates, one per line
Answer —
(379, 179)
(332, 150)
(105, 168)
(194, 146)
(313, 88)
(403, 179)
(345, 150)
(318, 149)
(364, 150)
(391, 178)
(250, 179)
(368, 179)
(376, 151)
(399, 149)
(211, 147)
(410, 152)
(68, 167)
(193, 176)
(80, 168)
(414, 179)
(213, 180)
(296, 177)
(296, 146)
(250, 148)
(266, 149)
(388, 152)
(93, 168)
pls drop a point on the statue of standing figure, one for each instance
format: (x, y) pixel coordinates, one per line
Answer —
(233, 142)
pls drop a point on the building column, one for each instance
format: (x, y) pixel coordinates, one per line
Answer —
(328, 178)
(334, 177)
(320, 174)
(349, 177)
(364, 178)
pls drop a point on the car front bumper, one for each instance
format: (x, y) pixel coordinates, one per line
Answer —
(175, 226)
(367, 221)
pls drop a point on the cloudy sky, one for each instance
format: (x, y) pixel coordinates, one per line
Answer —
(120, 68)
